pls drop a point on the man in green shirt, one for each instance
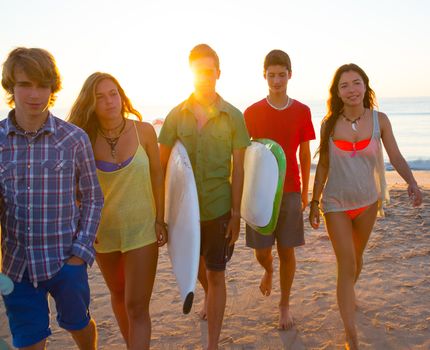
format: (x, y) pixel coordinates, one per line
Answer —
(214, 134)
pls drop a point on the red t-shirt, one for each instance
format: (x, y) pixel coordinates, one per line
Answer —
(288, 127)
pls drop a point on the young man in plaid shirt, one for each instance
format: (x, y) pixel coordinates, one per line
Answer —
(50, 206)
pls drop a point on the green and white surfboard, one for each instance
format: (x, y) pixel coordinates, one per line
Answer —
(265, 165)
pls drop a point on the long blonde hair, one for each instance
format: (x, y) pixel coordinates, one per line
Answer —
(83, 112)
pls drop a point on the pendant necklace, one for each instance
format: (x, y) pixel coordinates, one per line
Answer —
(354, 122)
(112, 141)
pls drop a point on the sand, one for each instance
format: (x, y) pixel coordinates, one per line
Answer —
(393, 293)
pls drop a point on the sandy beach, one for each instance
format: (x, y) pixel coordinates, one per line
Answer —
(393, 293)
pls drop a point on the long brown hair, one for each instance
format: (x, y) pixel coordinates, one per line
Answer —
(83, 112)
(335, 104)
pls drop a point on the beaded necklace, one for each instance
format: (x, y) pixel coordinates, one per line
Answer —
(31, 133)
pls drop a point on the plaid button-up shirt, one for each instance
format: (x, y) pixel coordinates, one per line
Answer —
(51, 199)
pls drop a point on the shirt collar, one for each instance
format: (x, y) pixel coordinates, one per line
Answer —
(48, 128)
(218, 107)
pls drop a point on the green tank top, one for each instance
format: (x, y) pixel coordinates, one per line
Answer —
(128, 215)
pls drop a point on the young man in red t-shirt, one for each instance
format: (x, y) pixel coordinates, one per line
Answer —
(288, 122)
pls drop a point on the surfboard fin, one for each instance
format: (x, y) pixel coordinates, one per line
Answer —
(188, 303)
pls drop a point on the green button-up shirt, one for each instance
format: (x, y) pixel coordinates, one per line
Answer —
(210, 150)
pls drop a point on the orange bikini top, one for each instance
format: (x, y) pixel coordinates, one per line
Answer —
(352, 146)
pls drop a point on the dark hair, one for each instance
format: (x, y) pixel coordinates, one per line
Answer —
(201, 51)
(335, 103)
(38, 64)
(277, 58)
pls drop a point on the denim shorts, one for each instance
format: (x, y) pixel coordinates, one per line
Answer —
(27, 307)
(289, 231)
(214, 246)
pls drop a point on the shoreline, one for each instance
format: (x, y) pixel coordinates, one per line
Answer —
(394, 180)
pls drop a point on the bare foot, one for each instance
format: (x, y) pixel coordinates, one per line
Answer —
(266, 283)
(203, 313)
(285, 319)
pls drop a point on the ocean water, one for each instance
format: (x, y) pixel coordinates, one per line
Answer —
(410, 120)
(409, 116)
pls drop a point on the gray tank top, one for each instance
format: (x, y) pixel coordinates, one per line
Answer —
(356, 180)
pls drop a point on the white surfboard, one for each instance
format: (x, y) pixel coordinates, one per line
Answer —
(183, 219)
(264, 167)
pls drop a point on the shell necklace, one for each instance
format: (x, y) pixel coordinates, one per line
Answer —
(279, 108)
(354, 122)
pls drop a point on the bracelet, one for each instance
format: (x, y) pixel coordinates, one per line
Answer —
(163, 224)
(235, 213)
(315, 201)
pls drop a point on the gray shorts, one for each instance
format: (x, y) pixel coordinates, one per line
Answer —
(289, 230)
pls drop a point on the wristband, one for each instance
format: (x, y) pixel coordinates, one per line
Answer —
(235, 213)
(161, 224)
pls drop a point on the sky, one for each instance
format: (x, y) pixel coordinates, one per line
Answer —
(145, 44)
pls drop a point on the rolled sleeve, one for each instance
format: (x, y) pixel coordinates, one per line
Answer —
(91, 203)
(240, 134)
(168, 132)
(84, 251)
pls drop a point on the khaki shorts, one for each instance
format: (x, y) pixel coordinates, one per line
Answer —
(289, 231)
